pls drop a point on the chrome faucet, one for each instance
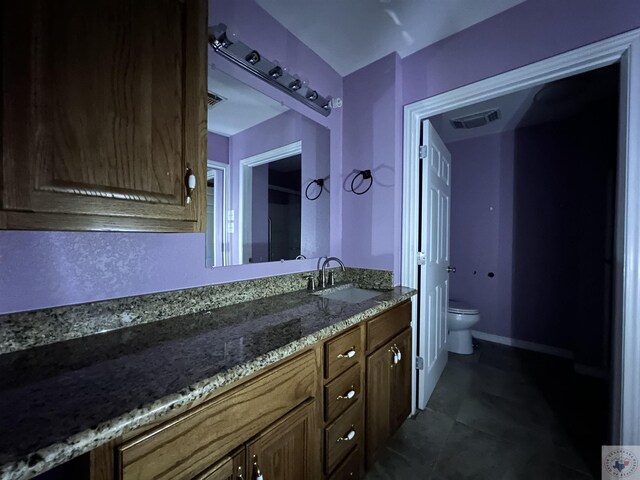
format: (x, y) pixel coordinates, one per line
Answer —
(323, 272)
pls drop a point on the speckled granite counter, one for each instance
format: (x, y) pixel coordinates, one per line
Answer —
(61, 400)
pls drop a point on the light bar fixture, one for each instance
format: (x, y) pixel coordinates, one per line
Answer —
(251, 60)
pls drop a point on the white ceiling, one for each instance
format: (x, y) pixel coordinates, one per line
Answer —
(349, 34)
(243, 107)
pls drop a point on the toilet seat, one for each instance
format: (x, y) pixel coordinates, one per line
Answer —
(462, 308)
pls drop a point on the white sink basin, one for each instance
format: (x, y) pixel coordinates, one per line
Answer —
(351, 294)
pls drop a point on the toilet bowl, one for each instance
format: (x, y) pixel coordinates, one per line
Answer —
(461, 317)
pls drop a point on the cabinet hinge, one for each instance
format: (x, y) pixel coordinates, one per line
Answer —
(422, 258)
(422, 151)
(419, 363)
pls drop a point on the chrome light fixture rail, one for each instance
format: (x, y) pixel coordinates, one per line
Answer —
(251, 60)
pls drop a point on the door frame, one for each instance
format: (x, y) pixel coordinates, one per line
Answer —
(246, 179)
(220, 169)
(623, 48)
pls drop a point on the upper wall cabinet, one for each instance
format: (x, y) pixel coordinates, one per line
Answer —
(104, 115)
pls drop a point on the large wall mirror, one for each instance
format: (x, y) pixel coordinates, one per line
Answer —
(268, 173)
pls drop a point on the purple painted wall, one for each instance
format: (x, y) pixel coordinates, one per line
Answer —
(217, 148)
(482, 227)
(284, 129)
(43, 269)
(371, 225)
(535, 207)
(529, 32)
(46, 269)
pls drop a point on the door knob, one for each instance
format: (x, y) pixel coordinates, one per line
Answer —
(451, 269)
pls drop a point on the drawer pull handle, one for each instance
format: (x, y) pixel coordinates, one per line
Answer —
(239, 477)
(398, 352)
(349, 353)
(347, 395)
(257, 475)
(396, 356)
(351, 434)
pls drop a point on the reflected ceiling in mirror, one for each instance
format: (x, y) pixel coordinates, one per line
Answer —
(268, 172)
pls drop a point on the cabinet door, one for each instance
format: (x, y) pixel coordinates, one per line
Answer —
(230, 468)
(289, 449)
(388, 391)
(104, 114)
(379, 377)
(401, 382)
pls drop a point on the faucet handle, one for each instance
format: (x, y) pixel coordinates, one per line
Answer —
(311, 283)
(331, 280)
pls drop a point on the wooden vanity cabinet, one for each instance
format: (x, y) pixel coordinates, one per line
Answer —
(314, 416)
(286, 450)
(388, 395)
(104, 115)
(233, 467)
(274, 415)
(344, 403)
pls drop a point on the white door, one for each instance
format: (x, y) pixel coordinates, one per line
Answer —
(435, 188)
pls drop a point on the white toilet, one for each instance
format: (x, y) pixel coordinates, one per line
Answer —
(461, 317)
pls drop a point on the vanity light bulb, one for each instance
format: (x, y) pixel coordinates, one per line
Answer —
(252, 57)
(275, 72)
(295, 85)
(312, 95)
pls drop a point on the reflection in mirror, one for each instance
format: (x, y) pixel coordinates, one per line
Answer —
(262, 156)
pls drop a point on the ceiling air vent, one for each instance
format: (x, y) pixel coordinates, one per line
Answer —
(475, 119)
(212, 99)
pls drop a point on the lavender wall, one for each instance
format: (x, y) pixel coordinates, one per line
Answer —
(217, 148)
(563, 224)
(372, 140)
(482, 227)
(43, 269)
(284, 129)
(535, 207)
(529, 32)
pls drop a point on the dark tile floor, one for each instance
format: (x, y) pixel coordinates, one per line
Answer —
(502, 414)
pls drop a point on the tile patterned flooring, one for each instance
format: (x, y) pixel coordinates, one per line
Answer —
(502, 414)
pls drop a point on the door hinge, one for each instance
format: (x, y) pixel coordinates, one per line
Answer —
(419, 363)
(422, 258)
(422, 151)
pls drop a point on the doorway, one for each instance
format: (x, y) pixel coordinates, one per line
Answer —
(626, 333)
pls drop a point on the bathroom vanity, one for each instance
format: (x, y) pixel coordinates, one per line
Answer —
(295, 385)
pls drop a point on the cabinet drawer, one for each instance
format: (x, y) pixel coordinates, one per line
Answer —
(342, 392)
(342, 353)
(184, 446)
(387, 325)
(350, 468)
(343, 435)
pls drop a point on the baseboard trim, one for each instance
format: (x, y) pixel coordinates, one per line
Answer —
(579, 368)
(513, 342)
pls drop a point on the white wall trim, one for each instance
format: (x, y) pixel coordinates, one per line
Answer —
(525, 345)
(619, 48)
(222, 168)
(246, 177)
(579, 368)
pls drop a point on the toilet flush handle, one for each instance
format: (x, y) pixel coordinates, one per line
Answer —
(451, 269)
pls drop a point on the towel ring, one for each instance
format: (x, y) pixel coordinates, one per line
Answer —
(320, 183)
(366, 175)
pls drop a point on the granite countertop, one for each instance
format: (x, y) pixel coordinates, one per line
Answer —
(61, 400)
